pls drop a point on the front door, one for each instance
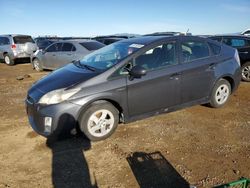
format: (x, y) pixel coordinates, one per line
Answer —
(160, 87)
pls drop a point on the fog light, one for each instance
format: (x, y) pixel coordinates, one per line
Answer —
(47, 124)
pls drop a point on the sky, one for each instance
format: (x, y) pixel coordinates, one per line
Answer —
(104, 17)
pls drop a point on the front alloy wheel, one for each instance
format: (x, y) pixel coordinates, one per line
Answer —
(99, 121)
(37, 65)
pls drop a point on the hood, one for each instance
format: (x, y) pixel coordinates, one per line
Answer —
(62, 78)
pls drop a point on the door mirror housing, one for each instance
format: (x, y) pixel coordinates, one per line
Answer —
(137, 71)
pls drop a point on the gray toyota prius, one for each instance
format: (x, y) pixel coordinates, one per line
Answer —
(133, 79)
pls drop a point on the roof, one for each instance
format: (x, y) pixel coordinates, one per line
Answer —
(146, 39)
(76, 40)
(231, 35)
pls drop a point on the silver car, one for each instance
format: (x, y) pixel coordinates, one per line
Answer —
(16, 47)
(63, 52)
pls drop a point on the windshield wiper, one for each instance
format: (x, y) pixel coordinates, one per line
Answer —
(88, 67)
(80, 65)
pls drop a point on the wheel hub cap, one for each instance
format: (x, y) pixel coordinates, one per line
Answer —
(222, 94)
(246, 73)
(100, 123)
(7, 60)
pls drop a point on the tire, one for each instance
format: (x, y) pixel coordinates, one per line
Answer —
(245, 72)
(8, 60)
(99, 121)
(220, 93)
(37, 65)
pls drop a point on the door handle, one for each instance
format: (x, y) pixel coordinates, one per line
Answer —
(175, 76)
(53, 54)
(212, 66)
(243, 52)
(69, 54)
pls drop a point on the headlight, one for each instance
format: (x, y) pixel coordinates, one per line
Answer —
(57, 96)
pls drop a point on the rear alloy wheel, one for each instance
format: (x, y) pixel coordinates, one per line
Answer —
(220, 94)
(37, 65)
(245, 72)
(8, 60)
(99, 121)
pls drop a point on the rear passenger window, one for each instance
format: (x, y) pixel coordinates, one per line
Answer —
(55, 47)
(4, 41)
(193, 50)
(68, 47)
(158, 57)
(215, 48)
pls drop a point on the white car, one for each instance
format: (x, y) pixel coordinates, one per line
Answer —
(247, 32)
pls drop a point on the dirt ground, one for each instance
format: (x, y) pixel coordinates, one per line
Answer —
(199, 146)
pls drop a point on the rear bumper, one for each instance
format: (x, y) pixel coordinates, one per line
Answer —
(63, 116)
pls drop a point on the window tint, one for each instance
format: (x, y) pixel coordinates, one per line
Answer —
(193, 50)
(4, 41)
(55, 47)
(22, 39)
(157, 57)
(92, 45)
(215, 48)
(68, 47)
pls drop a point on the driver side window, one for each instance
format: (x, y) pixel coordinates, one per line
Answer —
(158, 57)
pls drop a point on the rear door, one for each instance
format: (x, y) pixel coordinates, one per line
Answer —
(197, 70)
(159, 89)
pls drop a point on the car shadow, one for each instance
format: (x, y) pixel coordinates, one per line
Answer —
(153, 170)
(69, 166)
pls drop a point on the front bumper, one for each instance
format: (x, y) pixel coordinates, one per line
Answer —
(63, 117)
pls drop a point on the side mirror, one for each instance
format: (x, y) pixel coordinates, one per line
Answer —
(137, 72)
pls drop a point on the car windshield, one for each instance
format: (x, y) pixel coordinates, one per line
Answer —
(109, 56)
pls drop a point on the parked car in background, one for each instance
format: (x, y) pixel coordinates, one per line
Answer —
(16, 47)
(130, 80)
(167, 33)
(63, 52)
(242, 44)
(247, 32)
(109, 39)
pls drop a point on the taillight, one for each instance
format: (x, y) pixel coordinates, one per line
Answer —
(13, 46)
(236, 56)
